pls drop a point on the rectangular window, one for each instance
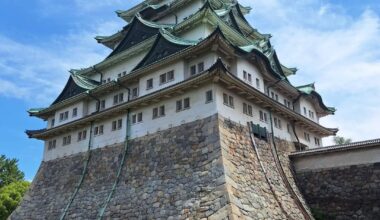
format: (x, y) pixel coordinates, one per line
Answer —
(307, 136)
(245, 108)
(186, 103)
(285, 102)
(163, 78)
(162, 111)
(272, 95)
(231, 101)
(103, 104)
(114, 125)
(276, 97)
(52, 144)
(276, 122)
(170, 75)
(279, 124)
(139, 117)
(61, 117)
(66, 140)
(179, 105)
(209, 96)
(82, 135)
(75, 112)
(288, 128)
(101, 129)
(225, 99)
(155, 113)
(263, 117)
(96, 131)
(257, 83)
(249, 78)
(66, 115)
(201, 67)
(119, 98)
(244, 75)
(193, 70)
(149, 84)
(119, 124)
(250, 111)
(134, 119)
(52, 123)
(304, 111)
(135, 92)
(317, 141)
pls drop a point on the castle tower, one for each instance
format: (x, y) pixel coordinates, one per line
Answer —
(191, 116)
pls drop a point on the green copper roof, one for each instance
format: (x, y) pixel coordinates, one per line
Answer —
(309, 89)
(82, 81)
(35, 110)
(177, 40)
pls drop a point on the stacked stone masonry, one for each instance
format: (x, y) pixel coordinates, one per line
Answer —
(351, 192)
(205, 169)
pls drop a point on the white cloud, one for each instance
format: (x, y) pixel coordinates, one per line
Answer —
(37, 73)
(334, 49)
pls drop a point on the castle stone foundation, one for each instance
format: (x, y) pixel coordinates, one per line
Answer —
(205, 169)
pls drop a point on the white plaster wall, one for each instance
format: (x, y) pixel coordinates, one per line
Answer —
(244, 65)
(300, 133)
(109, 100)
(236, 114)
(110, 137)
(303, 102)
(62, 151)
(80, 113)
(208, 59)
(178, 77)
(182, 13)
(198, 109)
(338, 159)
(201, 31)
(127, 65)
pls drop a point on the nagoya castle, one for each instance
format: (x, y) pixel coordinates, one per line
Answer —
(190, 116)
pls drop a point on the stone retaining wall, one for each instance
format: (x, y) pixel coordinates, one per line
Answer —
(200, 170)
(351, 192)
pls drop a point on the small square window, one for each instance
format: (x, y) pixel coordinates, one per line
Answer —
(135, 92)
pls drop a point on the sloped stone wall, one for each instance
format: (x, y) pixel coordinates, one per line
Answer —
(350, 192)
(251, 195)
(200, 170)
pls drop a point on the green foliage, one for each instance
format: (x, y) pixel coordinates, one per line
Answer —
(10, 197)
(341, 140)
(9, 171)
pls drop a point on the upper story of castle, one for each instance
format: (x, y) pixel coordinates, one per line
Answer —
(167, 44)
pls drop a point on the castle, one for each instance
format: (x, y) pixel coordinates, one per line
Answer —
(158, 129)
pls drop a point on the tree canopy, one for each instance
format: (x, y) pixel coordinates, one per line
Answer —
(10, 197)
(9, 171)
(341, 140)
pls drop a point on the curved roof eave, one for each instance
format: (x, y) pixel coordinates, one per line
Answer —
(309, 90)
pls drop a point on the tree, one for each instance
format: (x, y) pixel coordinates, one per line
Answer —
(341, 140)
(9, 171)
(10, 197)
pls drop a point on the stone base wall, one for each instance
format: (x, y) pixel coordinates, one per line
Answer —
(205, 169)
(351, 192)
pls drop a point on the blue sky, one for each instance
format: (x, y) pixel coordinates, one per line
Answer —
(333, 43)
